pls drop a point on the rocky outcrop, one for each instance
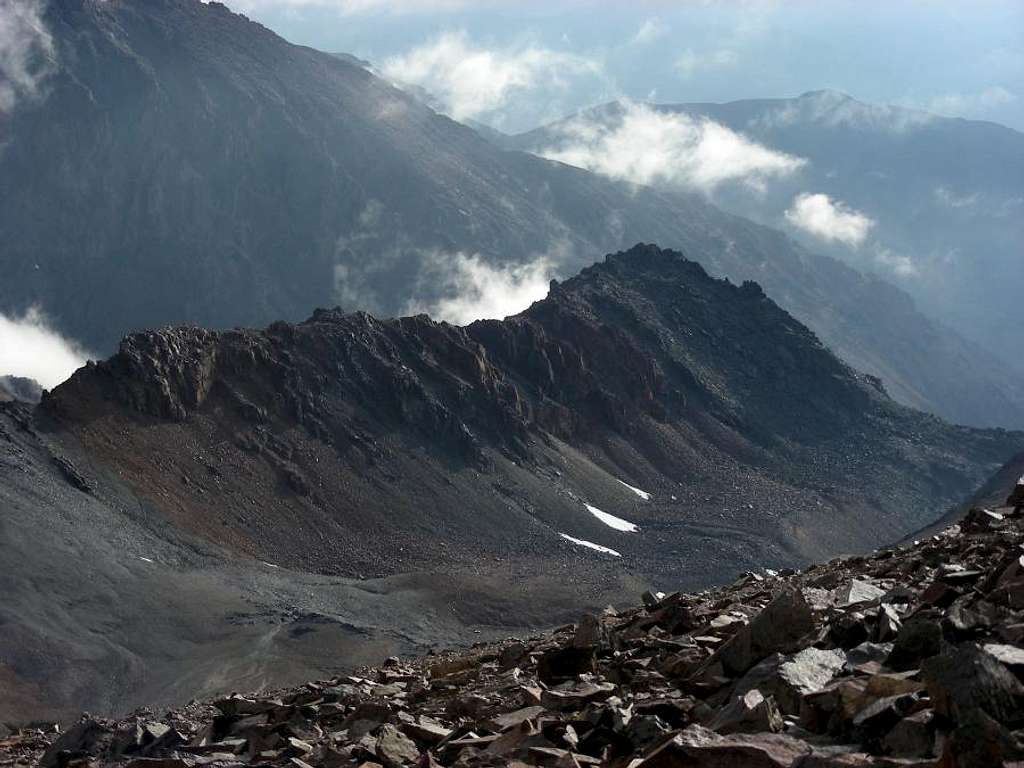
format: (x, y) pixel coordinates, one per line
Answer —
(781, 670)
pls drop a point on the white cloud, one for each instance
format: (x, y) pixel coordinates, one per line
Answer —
(690, 62)
(472, 81)
(965, 104)
(951, 199)
(29, 347)
(649, 31)
(829, 219)
(644, 146)
(897, 263)
(26, 51)
(475, 290)
(834, 108)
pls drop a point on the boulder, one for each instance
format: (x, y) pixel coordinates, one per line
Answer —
(590, 632)
(749, 713)
(697, 747)
(919, 639)
(980, 742)
(80, 740)
(394, 749)
(966, 678)
(512, 655)
(778, 628)
(560, 664)
(790, 678)
(855, 592)
(913, 736)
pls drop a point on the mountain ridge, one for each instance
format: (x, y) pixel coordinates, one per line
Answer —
(207, 172)
(296, 489)
(941, 192)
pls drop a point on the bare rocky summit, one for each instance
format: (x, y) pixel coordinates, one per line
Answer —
(910, 657)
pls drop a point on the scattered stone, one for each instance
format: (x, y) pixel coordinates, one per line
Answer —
(855, 592)
(966, 678)
(913, 736)
(912, 657)
(512, 655)
(561, 664)
(749, 713)
(919, 639)
(395, 749)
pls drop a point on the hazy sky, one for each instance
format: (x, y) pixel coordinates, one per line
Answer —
(518, 64)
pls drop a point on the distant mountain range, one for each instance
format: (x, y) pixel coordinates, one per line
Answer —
(214, 510)
(185, 165)
(945, 196)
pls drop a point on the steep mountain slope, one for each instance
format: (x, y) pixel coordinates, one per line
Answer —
(945, 196)
(313, 483)
(185, 165)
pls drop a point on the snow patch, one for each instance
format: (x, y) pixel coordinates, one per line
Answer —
(590, 545)
(611, 520)
(642, 494)
(145, 559)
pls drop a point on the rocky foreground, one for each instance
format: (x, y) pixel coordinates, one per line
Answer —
(910, 656)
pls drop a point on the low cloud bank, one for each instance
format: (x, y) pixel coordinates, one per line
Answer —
(30, 348)
(475, 290)
(829, 219)
(647, 146)
(967, 104)
(472, 81)
(26, 51)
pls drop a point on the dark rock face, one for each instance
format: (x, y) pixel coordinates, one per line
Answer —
(626, 698)
(644, 350)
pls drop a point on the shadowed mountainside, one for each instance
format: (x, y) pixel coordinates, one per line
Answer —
(293, 491)
(188, 166)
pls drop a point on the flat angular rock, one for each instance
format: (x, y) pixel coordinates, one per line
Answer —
(395, 749)
(805, 673)
(966, 678)
(697, 747)
(426, 731)
(590, 631)
(749, 713)
(512, 719)
(979, 741)
(854, 592)
(80, 739)
(913, 736)
(778, 628)
(578, 697)
(561, 664)
(512, 655)
(919, 639)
